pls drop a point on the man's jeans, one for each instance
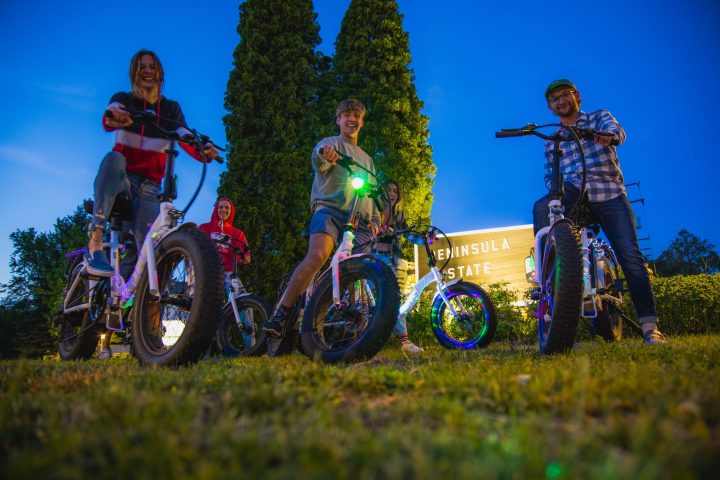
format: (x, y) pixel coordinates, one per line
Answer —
(111, 180)
(617, 221)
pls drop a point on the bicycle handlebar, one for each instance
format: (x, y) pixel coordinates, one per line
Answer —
(348, 162)
(531, 129)
(227, 240)
(194, 138)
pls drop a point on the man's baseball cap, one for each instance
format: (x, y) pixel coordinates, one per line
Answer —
(563, 82)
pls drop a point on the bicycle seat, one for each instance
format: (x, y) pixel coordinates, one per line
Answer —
(122, 208)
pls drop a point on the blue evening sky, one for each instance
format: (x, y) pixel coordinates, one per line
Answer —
(479, 66)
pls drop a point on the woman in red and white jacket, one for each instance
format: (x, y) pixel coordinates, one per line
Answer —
(136, 164)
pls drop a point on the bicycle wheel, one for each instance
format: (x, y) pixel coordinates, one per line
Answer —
(608, 323)
(474, 323)
(79, 332)
(359, 326)
(560, 289)
(244, 336)
(179, 327)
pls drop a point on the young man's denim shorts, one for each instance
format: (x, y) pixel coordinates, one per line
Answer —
(332, 222)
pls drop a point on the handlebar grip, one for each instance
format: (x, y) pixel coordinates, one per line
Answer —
(516, 133)
(220, 159)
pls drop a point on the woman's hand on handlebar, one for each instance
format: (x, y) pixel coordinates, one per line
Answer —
(117, 118)
(208, 150)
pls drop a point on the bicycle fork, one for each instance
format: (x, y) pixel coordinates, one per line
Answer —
(589, 305)
(244, 319)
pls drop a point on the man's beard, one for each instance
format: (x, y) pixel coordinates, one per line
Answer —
(571, 110)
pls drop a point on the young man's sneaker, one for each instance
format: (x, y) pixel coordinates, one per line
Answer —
(409, 347)
(274, 326)
(105, 354)
(99, 265)
(654, 337)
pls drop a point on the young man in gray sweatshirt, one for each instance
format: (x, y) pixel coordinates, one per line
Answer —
(330, 200)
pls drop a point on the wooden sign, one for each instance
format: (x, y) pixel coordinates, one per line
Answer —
(482, 256)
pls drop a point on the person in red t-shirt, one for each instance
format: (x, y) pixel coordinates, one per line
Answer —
(221, 225)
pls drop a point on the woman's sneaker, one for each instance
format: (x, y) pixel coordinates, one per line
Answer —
(409, 347)
(99, 265)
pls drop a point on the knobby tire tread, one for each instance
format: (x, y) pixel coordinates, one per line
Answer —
(206, 308)
(568, 289)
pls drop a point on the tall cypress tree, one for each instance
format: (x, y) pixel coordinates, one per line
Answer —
(372, 63)
(272, 98)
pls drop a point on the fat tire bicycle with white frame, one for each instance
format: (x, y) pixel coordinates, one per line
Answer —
(240, 330)
(462, 315)
(174, 294)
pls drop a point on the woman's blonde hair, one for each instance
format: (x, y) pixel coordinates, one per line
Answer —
(135, 71)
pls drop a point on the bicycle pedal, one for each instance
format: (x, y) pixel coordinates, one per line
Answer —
(114, 321)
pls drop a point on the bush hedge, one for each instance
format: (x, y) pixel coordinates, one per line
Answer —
(686, 304)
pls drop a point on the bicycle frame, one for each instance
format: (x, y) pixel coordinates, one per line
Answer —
(593, 273)
(434, 275)
(164, 224)
(121, 291)
(237, 289)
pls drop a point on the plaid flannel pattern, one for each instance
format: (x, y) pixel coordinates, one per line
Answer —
(604, 180)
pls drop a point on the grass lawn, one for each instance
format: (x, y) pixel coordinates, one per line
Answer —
(622, 411)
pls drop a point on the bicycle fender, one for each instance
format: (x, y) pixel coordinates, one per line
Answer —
(453, 282)
(447, 285)
(182, 226)
(186, 226)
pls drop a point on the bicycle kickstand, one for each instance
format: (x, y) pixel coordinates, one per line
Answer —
(633, 324)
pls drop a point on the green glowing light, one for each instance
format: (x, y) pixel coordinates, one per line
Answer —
(358, 183)
(554, 470)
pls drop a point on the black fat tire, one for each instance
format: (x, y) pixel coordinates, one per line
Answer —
(561, 289)
(78, 335)
(608, 323)
(229, 338)
(202, 315)
(380, 322)
(484, 328)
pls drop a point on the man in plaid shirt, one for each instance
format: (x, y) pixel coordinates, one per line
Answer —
(606, 194)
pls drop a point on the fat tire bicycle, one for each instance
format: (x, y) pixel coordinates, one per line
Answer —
(576, 272)
(462, 314)
(349, 311)
(172, 299)
(240, 330)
